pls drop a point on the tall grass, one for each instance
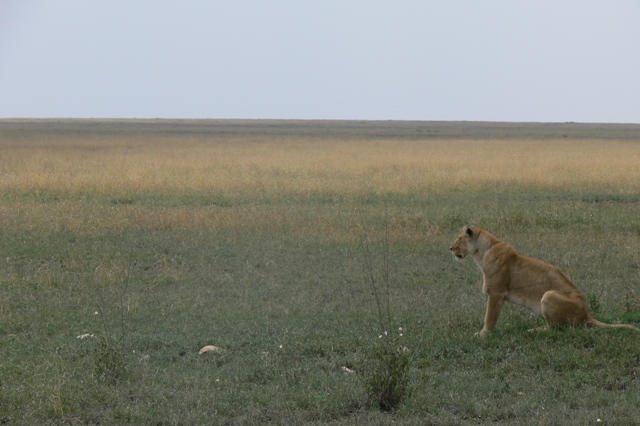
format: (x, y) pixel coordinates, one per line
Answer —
(249, 166)
(109, 181)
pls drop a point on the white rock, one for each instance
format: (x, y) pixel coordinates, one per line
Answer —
(210, 348)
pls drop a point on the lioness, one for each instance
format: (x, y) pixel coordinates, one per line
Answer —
(532, 283)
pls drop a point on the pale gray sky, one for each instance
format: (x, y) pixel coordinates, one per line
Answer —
(330, 59)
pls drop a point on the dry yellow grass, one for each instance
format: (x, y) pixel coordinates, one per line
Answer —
(84, 169)
(301, 166)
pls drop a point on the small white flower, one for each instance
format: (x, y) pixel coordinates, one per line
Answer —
(95, 313)
(380, 336)
(280, 346)
(84, 336)
(385, 333)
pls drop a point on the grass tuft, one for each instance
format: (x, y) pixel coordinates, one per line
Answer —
(109, 360)
(387, 380)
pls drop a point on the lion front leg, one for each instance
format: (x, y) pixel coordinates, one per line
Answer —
(494, 307)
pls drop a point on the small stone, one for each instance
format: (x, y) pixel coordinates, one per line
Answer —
(210, 348)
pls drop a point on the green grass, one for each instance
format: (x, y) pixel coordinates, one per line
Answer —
(291, 311)
(155, 276)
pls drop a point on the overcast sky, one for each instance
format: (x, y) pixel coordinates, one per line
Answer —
(343, 59)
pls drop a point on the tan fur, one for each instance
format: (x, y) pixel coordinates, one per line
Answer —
(532, 283)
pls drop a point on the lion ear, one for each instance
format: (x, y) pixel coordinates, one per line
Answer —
(468, 231)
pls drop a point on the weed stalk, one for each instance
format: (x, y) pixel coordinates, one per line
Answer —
(387, 380)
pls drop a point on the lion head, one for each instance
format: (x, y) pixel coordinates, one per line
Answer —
(465, 243)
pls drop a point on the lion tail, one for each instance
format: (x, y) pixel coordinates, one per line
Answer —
(594, 322)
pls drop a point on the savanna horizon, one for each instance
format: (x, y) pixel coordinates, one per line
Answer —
(158, 237)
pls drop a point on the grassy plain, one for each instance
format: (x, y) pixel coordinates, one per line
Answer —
(157, 237)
